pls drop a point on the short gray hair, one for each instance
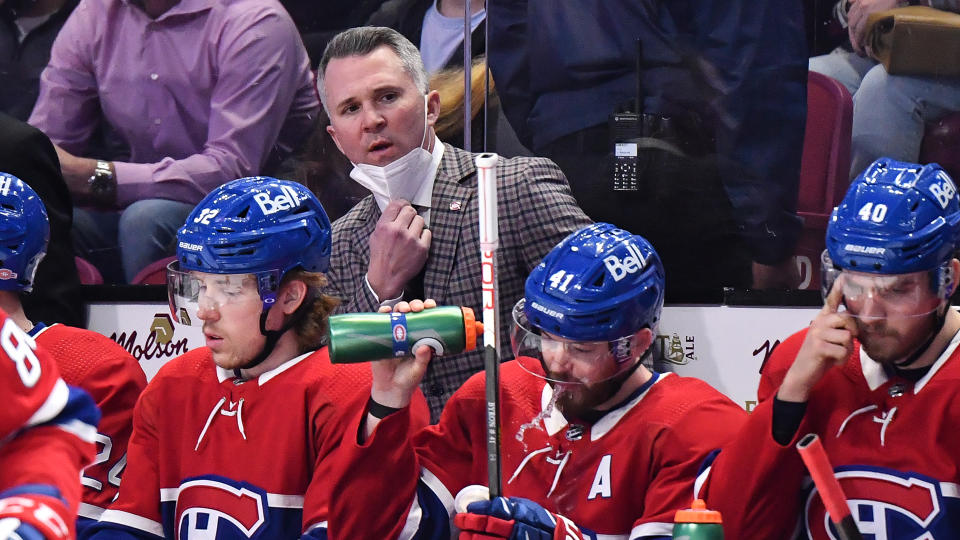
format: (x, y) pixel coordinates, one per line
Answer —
(363, 40)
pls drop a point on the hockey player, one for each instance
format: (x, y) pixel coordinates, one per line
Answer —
(233, 440)
(85, 359)
(47, 429)
(876, 376)
(594, 442)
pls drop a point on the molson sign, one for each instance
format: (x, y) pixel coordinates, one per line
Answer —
(722, 345)
(146, 331)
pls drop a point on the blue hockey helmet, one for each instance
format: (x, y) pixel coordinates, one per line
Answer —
(24, 232)
(600, 283)
(896, 218)
(258, 225)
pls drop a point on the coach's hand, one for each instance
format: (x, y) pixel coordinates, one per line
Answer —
(829, 342)
(398, 249)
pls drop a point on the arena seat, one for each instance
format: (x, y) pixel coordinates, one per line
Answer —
(824, 169)
(87, 272)
(941, 144)
(154, 273)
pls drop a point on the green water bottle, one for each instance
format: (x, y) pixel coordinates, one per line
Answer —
(362, 337)
(697, 523)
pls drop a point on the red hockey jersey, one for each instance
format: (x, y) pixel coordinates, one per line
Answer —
(622, 477)
(114, 379)
(46, 436)
(222, 458)
(893, 445)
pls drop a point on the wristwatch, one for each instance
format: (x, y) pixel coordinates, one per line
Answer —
(103, 184)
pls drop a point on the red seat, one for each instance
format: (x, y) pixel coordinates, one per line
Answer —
(87, 272)
(824, 168)
(941, 144)
(154, 273)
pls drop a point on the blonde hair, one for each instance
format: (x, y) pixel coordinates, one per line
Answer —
(311, 328)
(449, 84)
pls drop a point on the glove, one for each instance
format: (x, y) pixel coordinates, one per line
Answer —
(513, 518)
(33, 517)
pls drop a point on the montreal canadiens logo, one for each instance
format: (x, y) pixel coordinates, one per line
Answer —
(887, 505)
(207, 505)
(399, 333)
(6, 273)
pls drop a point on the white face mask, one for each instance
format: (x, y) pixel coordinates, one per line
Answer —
(400, 179)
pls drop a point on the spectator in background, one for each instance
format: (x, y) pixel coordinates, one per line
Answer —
(202, 91)
(26, 153)
(726, 84)
(27, 31)
(319, 20)
(382, 113)
(436, 26)
(326, 172)
(889, 111)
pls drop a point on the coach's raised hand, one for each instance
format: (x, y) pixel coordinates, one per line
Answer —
(398, 249)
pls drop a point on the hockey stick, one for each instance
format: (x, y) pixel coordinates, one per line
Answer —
(815, 458)
(487, 202)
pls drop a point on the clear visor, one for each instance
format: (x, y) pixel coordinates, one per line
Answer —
(191, 292)
(875, 296)
(566, 361)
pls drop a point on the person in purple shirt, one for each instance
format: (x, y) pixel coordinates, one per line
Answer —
(201, 91)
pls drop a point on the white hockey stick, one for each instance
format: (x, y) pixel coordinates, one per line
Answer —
(487, 200)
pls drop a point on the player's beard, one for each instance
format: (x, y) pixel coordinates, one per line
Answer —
(577, 400)
(888, 345)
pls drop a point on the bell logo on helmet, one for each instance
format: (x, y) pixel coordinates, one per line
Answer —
(286, 200)
(621, 268)
(943, 191)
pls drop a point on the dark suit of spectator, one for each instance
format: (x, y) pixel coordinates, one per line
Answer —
(319, 20)
(22, 61)
(734, 70)
(26, 153)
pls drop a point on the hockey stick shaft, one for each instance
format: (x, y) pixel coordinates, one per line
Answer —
(487, 201)
(818, 464)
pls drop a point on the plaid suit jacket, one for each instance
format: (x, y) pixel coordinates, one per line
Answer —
(536, 211)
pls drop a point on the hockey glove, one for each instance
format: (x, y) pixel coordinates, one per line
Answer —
(33, 517)
(513, 518)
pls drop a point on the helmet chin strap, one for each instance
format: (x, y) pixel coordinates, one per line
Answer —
(273, 336)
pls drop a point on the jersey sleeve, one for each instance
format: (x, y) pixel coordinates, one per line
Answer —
(387, 457)
(748, 481)
(678, 452)
(331, 423)
(775, 369)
